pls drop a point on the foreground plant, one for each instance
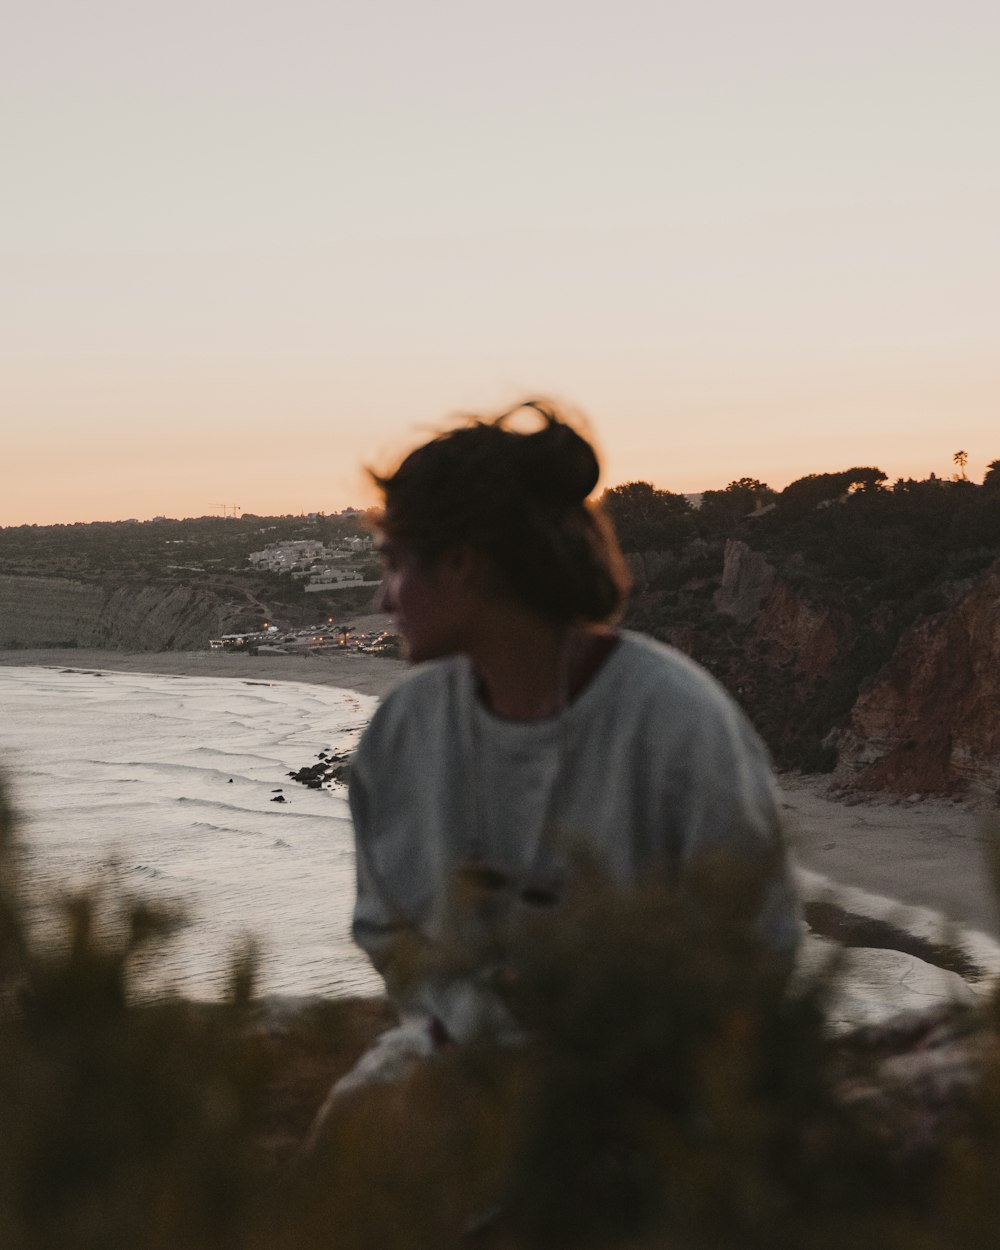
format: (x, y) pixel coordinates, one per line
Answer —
(673, 1091)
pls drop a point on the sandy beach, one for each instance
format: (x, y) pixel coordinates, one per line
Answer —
(352, 670)
(926, 853)
(922, 852)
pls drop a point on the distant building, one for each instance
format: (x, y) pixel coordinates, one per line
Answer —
(281, 557)
(309, 557)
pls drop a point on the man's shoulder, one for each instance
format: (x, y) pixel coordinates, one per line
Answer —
(427, 679)
(657, 666)
(671, 693)
(423, 694)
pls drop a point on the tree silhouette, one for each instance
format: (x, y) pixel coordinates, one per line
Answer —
(807, 493)
(961, 459)
(738, 500)
(645, 518)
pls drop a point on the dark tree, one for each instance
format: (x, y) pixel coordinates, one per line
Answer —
(645, 518)
(725, 508)
(820, 488)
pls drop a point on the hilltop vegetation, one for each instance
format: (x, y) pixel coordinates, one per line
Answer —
(162, 548)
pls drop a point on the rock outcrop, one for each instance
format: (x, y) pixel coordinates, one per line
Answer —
(751, 592)
(747, 580)
(929, 722)
(780, 651)
(810, 637)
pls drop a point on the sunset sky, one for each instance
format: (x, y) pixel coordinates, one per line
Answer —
(249, 247)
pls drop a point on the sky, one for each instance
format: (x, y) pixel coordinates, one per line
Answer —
(248, 248)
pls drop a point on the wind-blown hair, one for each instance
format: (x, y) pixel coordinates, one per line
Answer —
(520, 499)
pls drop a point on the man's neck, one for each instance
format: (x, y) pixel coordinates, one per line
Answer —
(529, 670)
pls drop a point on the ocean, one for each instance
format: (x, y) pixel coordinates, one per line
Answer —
(163, 787)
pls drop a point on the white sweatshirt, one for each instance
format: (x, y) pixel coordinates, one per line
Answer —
(651, 765)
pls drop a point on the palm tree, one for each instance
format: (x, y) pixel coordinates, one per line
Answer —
(961, 459)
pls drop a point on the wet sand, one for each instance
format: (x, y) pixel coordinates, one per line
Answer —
(928, 853)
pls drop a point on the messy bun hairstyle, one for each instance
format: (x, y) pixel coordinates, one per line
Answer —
(520, 499)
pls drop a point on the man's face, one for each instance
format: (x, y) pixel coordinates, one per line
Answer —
(428, 602)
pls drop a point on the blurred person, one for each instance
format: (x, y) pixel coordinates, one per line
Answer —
(534, 735)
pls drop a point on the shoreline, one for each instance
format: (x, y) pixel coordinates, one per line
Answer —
(364, 674)
(902, 882)
(927, 854)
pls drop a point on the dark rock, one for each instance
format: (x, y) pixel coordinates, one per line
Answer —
(334, 769)
(307, 773)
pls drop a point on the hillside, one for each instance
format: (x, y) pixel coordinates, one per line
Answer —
(858, 628)
(155, 585)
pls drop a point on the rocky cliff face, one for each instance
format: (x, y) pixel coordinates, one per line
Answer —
(929, 722)
(54, 611)
(777, 651)
(808, 637)
(833, 675)
(747, 580)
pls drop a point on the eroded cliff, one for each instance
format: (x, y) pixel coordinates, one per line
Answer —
(59, 612)
(929, 721)
(840, 675)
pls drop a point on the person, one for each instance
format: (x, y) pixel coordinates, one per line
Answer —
(533, 732)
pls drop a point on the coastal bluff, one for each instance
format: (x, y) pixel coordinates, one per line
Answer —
(930, 719)
(134, 614)
(893, 696)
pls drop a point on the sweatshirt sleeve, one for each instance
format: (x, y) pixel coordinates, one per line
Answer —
(417, 979)
(377, 925)
(725, 801)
